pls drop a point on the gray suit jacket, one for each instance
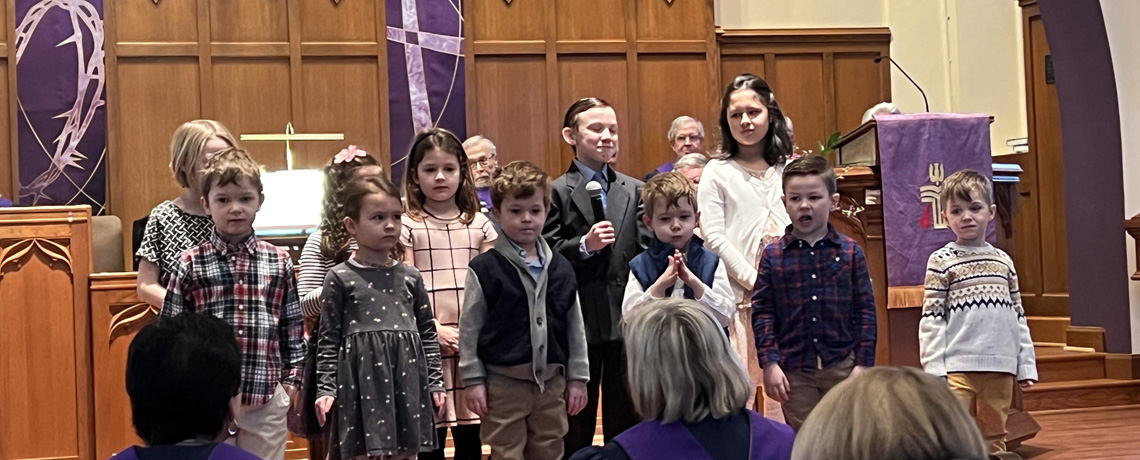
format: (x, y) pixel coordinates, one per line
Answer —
(603, 276)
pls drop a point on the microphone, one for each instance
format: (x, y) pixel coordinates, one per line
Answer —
(897, 66)
(595, 191)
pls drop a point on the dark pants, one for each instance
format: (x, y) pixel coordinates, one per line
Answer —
(465, 439)
(607, 371)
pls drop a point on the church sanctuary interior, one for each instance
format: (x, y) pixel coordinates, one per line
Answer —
(1048, 88)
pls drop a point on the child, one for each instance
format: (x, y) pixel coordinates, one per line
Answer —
(814, 310)
(739, 198)
(522, 341)
(324, 248)
(676, 265)
(442, 231)
(249, 284)
(973, 330)
(179, 224)
(600, 249)
(378, 358)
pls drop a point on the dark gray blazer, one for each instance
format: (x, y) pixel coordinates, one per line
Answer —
(602, 277)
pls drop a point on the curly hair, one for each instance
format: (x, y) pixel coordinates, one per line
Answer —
(777, 144)
(334, 237)
(465, 198)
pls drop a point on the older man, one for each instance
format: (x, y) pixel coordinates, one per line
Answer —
(483, 160)
(686, 135)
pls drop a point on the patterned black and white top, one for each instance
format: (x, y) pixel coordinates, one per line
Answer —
(169, 232)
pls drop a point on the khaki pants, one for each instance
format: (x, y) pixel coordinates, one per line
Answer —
(807, 388)
(743, 342)
(523, 422)
(261, 429)
(987, 395)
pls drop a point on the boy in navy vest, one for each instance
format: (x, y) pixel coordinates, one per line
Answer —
(522, 343)
(676, 264)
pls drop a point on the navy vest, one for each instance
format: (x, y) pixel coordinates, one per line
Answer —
(649, 265)
(505, 338)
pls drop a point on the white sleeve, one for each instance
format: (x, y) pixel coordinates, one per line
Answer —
(635, 295)
(711, 202)
(932, 325)
(1026, 357)
(719, 297)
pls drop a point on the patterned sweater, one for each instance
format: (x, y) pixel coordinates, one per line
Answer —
(972, 317)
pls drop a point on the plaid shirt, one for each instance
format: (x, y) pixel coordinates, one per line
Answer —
(814, 305)
(251, 286)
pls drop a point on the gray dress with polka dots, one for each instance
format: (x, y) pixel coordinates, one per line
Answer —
(379, 357)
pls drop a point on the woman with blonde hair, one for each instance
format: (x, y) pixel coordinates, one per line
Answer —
(182, 223)
(690, 388)
(890, 413)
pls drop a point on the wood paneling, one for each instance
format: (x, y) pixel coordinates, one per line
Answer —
(823, 79)
(590, 19)
(517, 118)
(9, 178)
(657, 112)
(495, 21)
(116, 316)
(167, 21)
(679, 20)
(596, 76)
(1041, 252)
(255, 66)
(45, 259)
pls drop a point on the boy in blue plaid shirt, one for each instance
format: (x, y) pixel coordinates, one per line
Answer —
(249, 284)
(813, 309)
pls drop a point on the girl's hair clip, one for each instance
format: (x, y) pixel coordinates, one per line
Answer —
(349, 154)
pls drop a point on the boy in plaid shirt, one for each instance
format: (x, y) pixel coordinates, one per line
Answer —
(249, 284)
(813, 310)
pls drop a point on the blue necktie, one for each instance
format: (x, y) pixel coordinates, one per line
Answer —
(605, 184)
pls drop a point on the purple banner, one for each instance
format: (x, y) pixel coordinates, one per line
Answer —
(917, 152)
(62, 115)
(425, 72)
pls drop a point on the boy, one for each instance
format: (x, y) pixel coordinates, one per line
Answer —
(676, 264)
(973, 330)
(813, 310)
(600, 249)
(249, 284)
(522, 344)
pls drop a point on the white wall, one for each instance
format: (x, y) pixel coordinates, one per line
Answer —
(1120, 19)
(966, 54)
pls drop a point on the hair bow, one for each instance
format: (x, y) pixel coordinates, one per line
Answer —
(348, 154)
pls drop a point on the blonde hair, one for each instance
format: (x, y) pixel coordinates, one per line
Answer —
(890, 413)
(962, 182)
(187, 144)
(671, 187)
(681, 366)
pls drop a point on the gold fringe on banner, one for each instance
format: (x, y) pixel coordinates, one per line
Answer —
(905, 296)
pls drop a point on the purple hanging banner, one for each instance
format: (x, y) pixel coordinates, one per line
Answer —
(425, 72)
(62, 115)
(917, 152)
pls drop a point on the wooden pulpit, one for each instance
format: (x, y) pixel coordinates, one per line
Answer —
(898, 311)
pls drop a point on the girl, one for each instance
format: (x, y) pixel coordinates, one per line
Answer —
(180, 224)
(328, 246)
(746, 185)
(443, 230)
(378, 357)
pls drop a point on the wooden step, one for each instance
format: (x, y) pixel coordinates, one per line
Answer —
(1081, 394)
(1059, 365)
(1048, 329)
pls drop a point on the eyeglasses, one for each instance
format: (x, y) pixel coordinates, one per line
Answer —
(484, 163)
(690, 138)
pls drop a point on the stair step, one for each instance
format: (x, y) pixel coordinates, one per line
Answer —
(1081, 394)
(1048, 328)
(1059, 365)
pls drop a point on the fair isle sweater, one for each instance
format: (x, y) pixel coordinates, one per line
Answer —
(972, 317)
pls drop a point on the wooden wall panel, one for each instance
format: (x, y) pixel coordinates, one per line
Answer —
(857, 87)
(496, 21)
(679, 20)
(112, 294)
(9, 177)
(238, 81)
(165, 22)
(249, 21)
(45, 363)
(602, 77)
(341, 95)
(517, 118)
(163, 94)
(663, 99)
(350, 21)
(800, 91)
(590, 19)
(823, 79)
